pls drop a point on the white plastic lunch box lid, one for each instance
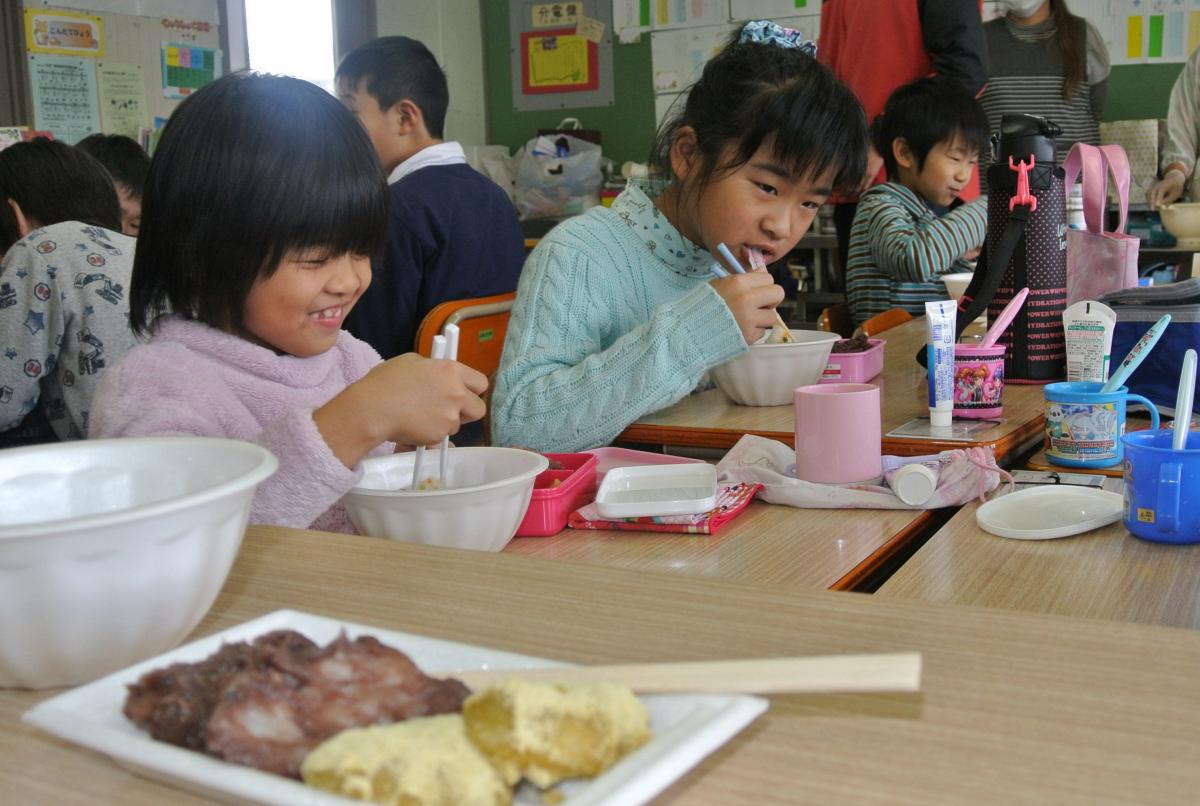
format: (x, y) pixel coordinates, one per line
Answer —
(657, 490)
(1042, 513)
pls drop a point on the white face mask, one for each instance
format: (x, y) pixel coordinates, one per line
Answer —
(1021, 8)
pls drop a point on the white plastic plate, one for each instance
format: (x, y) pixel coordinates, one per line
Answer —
(650, 491)
(1042, 513)
(686, 727)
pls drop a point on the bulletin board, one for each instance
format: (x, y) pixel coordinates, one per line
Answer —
(127, 84)
(561, 54)
(684, 36)
(1144, 31)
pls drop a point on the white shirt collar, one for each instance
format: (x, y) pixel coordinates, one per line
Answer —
(448, 153)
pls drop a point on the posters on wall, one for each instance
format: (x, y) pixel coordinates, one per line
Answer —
(64, 96)
(122, 98)
(186, 69)
(557, 61)
(9, 135)
(678, 55)
(1144, 31)
(555, 15)
(64, 33)
(632, 18)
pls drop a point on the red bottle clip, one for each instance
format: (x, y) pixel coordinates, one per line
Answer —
(1022, 196)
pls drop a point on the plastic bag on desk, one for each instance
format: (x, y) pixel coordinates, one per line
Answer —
(966, 475)
(496, 164)
(557, 176)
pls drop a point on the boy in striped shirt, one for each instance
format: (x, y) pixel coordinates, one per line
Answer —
(913, 228)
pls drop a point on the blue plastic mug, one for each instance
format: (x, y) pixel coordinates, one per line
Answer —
(1084, 425)
(1162, 487)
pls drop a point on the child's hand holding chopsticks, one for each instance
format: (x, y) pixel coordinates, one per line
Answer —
(757, 288)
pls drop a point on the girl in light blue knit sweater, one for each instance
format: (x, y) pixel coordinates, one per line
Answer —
(617, 312)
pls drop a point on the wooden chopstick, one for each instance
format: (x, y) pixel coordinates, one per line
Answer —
(899, 671)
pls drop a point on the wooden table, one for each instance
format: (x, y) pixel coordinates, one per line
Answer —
(767, 544)
(1105, 574)
(711, 420)
(1015, 707)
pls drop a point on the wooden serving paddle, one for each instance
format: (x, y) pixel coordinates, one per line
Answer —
(900, 671)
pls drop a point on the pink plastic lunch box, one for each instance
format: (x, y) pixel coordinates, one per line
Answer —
(854, 367)
(550, 506)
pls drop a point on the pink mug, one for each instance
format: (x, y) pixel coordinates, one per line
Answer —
(838, 433)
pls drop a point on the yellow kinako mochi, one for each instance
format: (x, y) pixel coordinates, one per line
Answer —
(418, 762)
(546, 732)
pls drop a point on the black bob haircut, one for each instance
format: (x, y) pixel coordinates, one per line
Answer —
(926, 112)
(751, 92)
(127, 161)
(53, 182)
(249, 169)
(395, 68)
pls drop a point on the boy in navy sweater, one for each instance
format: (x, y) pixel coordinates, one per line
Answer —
(453, 232)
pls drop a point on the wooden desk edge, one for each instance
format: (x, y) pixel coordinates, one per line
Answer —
(865, 570)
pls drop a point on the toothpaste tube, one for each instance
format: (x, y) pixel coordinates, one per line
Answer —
(914, 479)
(1089, 329)
(939, 322)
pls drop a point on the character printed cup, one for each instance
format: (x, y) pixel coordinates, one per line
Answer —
(978, 381)
(838, 433)
(1084, 425)
(1162, 487)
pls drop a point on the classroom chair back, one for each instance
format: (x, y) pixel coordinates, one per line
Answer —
(482, 324)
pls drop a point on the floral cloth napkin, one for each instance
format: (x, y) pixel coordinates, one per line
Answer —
(731, 499)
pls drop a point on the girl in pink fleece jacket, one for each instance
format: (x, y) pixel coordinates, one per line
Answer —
(262, 208)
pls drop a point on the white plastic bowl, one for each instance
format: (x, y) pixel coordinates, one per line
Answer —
(769, 373)
(1183, 221)
(111, 551)
(485, 497)
(956, 284)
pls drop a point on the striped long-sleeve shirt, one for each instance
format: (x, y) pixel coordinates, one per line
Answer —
(899, 248)
(1025, 75)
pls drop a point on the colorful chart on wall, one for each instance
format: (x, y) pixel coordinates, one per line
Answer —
(65, 33)
(186, 69)
(1144, 31)
(64, 96)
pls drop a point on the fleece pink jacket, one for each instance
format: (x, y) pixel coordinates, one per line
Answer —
(192, 379)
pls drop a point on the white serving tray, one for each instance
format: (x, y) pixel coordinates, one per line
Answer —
(650, 491)
(1049, 511)
(686, 727)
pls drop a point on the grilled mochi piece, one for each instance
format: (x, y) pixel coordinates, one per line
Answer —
(421, 762)
(546, 732)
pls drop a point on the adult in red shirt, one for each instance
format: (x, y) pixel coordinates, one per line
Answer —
(875, 46)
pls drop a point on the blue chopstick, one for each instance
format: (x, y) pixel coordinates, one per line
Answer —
(730, 259)
(718, 272)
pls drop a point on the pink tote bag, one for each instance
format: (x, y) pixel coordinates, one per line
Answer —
(1099, 261)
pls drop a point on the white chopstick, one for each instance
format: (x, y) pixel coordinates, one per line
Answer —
(439, 351)
(899, 671)
(450, 332)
